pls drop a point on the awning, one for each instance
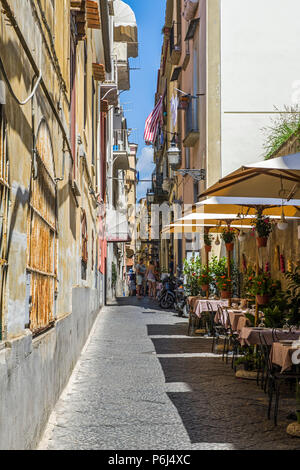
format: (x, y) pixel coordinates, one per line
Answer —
(196, 227)
(118, 238)
(245, 206)
(275, 178)
(125, 27)
(217, 212)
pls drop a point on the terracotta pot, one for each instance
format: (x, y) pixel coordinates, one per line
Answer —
(229, 246)
(207, 248)
(205, 287)
(225, 294)
(262, 299)
(261, 241)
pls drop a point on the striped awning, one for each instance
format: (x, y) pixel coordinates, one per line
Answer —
(152, 123)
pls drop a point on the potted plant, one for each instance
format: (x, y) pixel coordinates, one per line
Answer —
(228, 237)
(248, 281)
(224, 284)
(250, 360)
(208, 239)
(191, 270)
(205, 278)
(262, 287)
(263, 228)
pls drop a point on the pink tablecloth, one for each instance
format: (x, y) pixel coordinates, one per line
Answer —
(250, 336)
(201, 305)
(237, 319)
(281, 355)
(192, 301)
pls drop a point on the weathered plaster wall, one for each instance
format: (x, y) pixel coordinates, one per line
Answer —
(34, 372)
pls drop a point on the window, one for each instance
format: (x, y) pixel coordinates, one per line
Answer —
(41, 245)
(4, 191)
(187, 158)
(195, 192)
(84, 244)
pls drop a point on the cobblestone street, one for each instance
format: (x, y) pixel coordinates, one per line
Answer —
(141, 383)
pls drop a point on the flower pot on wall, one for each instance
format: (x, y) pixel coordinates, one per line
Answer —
(225, 294)
(261, 242)
(262, 299)
(207, 248)
(229, 246)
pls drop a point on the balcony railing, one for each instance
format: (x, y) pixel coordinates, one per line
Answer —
(120, 141)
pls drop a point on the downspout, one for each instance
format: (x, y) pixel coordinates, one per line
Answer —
(105, 34)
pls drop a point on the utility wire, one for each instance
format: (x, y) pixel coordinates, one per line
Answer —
(21, 103)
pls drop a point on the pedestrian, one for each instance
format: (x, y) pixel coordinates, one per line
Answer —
(171, 266)
(132, 283)
(140, 275)
(150, 277)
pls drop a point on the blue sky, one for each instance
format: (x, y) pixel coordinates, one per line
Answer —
(139, 101)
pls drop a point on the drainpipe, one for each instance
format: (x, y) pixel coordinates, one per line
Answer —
(105, 34)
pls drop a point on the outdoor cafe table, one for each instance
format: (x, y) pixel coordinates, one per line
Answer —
(201, 305)
(281, 355)
(192, 300)
(250, 335)
(237, 318)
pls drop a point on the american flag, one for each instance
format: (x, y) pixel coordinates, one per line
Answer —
(152, 123)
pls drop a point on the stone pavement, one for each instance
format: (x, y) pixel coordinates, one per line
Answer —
(141, 383)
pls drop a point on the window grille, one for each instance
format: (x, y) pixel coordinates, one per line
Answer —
(42, 256)
(4, 194)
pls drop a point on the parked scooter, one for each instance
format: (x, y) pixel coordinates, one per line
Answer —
(167, 294)
(180, 303)
(173, 296)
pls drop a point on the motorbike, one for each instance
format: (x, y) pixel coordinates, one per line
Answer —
(180, 303)
(167, 294)
(173, 295)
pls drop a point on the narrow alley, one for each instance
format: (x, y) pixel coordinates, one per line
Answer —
(141, 383)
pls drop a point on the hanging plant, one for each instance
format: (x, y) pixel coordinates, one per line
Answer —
(228, 237)
(208, 239)
(263, 227)
(262, 286)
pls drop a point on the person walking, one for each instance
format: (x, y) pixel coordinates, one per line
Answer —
(140, 275)
(131, 283)
(150, 276)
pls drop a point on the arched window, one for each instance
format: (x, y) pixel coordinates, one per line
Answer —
(41, 263)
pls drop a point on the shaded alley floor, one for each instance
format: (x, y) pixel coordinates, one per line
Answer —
(141, 383)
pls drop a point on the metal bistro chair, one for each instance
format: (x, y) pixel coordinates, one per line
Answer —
(194, 321)
(210, 318)
(231, 341)
(218, 329)
(274, 378)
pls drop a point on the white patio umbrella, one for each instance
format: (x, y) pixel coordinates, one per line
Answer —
(274, 178)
